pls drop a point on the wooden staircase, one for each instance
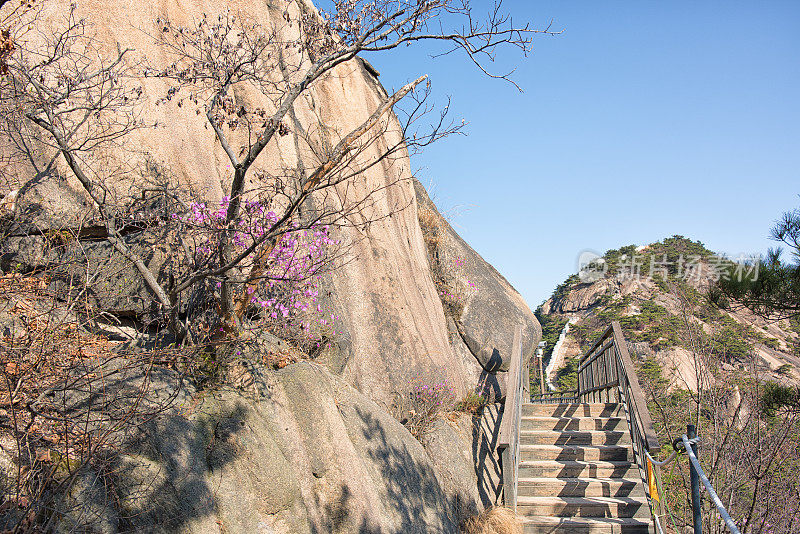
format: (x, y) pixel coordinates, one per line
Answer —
(576, 473)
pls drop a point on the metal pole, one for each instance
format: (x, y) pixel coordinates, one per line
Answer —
(540, 357)
(541, 374)
(691, 433)
(726, 517)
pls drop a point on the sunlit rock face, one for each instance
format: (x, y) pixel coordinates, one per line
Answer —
(288, 452)
(394, 328)
(485, 309)
(313, 447)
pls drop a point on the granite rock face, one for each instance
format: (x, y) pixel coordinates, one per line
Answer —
(293, 451)
(310, 448)
(490, 308)
(391, 317)
(581, 297)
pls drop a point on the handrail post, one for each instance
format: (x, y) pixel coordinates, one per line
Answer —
(691, 433)
(690, 447)
(526, 379)
(508, 442)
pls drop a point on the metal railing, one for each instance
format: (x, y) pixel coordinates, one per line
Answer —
(555, 397)
(697, 476)
(606, 374)
(688, 443)
(508, 441)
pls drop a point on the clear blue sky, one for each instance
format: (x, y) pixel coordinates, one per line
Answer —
(642, 120)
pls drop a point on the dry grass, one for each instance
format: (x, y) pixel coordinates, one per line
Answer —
(471, 403)
(495, 520)
(430, 224)
(421, 405)
(448, 277)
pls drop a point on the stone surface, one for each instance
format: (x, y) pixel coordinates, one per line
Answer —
(580, 297)
(23, 253)
(299, 451)
(449, 445)
(392, 321)
(46, 201)
(291, 451)
(303, 450)
(492, 385)
(492, 307)
(114, 284)
(463, 450)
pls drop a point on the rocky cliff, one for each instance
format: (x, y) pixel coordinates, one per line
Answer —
(393, 322)
(310, 447)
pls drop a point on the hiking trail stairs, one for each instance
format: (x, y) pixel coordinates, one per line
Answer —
(576, 471)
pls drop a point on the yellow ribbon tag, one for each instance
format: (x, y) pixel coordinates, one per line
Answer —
(651, 481)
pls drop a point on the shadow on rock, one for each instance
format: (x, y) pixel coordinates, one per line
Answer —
(413, 492)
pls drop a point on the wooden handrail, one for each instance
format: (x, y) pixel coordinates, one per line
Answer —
(606, 374)
(597, 343)
(596, 375)
(636, 394)
(508, 441)
(558, 397)
(586, 360)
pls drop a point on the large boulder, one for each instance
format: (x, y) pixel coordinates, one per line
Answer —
(392, 322)
(290, 451)
(93, 268)
(463, 449)
(46, 201)
(491, 308)
(307, 449)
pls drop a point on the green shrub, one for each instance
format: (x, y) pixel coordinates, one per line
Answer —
(650, 373)
(673, 248)
(567, 375)
(563, 289)
(655, 325)
(614, 259)
(794, 324)
(776, 396)
(471, 403)
(729, 344)
(552, 325)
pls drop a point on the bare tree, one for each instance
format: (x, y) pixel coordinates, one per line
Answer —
(69, 399)
(68, 396)
(748, 448)
(85, 103)
(284, 61)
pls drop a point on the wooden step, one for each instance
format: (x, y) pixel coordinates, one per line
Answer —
(573, 469)
(573, 410)
(586, 453)
(575, 473)
(574, 437)
(585, 525)
(580, 487)
(583, 507)
(541, 422)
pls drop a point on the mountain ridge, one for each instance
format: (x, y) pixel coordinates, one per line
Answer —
(655, 308)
